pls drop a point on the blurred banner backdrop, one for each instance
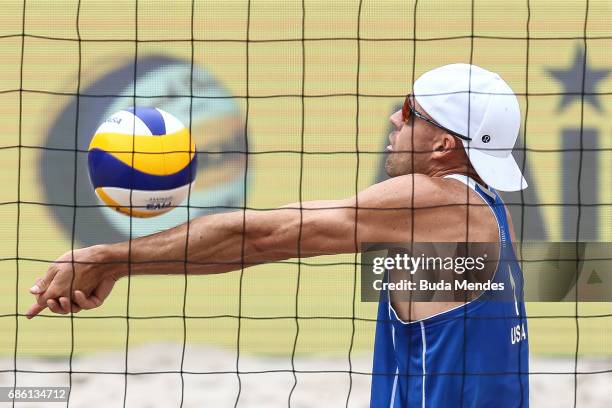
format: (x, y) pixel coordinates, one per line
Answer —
(314, 99)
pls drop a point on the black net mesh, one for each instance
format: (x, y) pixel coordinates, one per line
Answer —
(287, 103)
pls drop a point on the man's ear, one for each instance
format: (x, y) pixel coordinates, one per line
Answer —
(443, 145)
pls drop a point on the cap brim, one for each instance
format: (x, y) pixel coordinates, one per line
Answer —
(501, 173)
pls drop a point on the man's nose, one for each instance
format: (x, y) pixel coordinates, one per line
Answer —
(396, 119)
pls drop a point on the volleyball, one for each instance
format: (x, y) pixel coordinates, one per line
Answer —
(142, 162)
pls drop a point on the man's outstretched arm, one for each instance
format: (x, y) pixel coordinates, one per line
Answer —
(230, 241)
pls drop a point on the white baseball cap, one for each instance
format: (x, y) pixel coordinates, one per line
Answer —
(476, 103)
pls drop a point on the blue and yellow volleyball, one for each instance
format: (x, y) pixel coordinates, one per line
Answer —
(142, 162)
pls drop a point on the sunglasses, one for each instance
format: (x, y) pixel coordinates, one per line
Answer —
(408, 112)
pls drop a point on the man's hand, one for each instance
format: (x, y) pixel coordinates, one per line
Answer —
(81, 272)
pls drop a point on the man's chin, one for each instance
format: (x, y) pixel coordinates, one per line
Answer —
(390, 168)
(396, 169)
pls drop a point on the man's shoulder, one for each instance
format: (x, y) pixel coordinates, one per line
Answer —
(448, 199)
(439, 209)
(431, 191)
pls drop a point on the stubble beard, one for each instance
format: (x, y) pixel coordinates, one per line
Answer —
(395, 167)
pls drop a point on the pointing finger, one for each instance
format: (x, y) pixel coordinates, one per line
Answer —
(34, 310)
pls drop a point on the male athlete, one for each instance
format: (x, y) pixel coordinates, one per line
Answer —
(449, 149)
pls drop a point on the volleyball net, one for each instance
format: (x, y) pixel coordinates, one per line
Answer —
(287, 102)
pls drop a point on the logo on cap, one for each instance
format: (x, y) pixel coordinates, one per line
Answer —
(486, 139)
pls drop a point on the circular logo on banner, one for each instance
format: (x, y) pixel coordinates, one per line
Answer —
(199, 101)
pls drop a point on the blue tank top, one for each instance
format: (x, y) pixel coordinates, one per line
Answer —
(475, 355)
